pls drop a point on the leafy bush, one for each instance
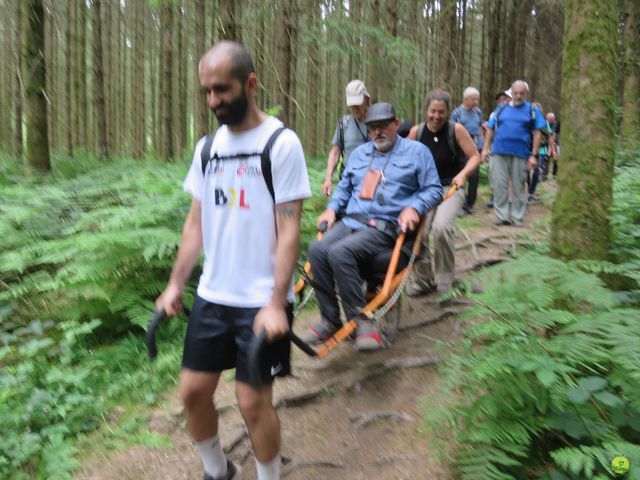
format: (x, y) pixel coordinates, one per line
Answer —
(546, 379)
(85, 251)
(545, 383)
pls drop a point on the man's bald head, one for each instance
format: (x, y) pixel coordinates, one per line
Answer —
(241, 64)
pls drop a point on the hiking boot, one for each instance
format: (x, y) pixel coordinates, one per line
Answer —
(319, 333)
(532, 200)
(498, 222)
(417, 289)
(490, 203)
(234, 472)
(367, 337)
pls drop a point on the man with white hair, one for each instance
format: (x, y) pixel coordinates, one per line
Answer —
(470, 116)
(516, 128)
(351, 131)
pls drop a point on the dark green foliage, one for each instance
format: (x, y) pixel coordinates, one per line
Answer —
(84, 253)
(548, 374)
(546, 380)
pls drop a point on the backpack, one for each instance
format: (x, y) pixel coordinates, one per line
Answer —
(451, 140)
(504, 105)
(545, 134)
(265, 158)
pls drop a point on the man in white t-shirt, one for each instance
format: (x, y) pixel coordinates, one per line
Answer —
(238, 206)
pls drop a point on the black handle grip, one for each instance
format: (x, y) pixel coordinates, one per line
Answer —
(302, 345)
(152, 328)
(256, 349)
(322, 228)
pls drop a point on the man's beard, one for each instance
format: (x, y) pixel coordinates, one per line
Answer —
(235, 111)
(382, 144)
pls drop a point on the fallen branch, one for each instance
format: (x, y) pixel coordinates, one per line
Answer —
(366, 418)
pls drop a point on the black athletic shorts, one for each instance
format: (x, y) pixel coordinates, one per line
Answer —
(218, 339)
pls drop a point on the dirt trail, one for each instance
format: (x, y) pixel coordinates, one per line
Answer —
(363, 415)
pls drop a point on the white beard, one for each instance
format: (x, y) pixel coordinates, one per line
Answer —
(382, 145)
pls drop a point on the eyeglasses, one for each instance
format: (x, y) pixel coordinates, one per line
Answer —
(379, 125)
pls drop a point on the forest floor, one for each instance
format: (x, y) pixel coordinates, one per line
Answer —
(349, 416)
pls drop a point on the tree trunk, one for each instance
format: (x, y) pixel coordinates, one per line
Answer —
(226, 21)
(446, 45)
(580, 224)
(72, 70)
(286, 41)
(138, 85)
(201, 107)
(99, 105)
(372, 54)
(81, 79)
(37, 138)
(630, 129)
(166, 80)
(19, 143)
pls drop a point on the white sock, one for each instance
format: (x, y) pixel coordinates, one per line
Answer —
(269, 471)
(210, 450)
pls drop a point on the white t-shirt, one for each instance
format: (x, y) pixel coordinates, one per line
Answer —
(238, 219)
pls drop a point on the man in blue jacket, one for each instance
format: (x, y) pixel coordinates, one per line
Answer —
(389, 182)
(514, 131)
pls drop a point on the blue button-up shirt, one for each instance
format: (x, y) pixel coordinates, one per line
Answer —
(410, 180)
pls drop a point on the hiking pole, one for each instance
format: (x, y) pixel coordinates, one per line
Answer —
(152, 328)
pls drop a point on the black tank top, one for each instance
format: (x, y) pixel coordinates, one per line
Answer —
(446, 163)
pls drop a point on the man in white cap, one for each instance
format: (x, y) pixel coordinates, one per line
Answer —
(351, 131)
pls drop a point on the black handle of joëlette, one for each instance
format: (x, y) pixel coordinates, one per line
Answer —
(257, 347)
(152, 328)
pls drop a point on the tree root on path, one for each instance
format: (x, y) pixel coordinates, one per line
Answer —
(482, 262)
(438, 317)
(369, 369)
(297, 465)
(380, 368)
(399, 458)
(366, 418)
(480, 240)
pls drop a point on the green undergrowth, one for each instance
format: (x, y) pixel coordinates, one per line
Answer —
(85, 251)
(544, 382)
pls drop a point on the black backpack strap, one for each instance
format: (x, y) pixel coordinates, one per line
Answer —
(265, 162)
(420, 131)
(205, 154)
(342, 126)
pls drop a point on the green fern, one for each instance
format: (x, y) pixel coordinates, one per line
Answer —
(547, 359)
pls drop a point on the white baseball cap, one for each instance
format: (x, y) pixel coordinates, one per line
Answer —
(356, 91)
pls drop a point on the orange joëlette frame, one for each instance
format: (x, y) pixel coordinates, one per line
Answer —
(391, 282)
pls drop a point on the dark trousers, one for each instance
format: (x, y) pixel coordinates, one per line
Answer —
(336, 260)
(534, 178)
(472, 189)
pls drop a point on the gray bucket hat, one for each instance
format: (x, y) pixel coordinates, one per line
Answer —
(380, 111)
